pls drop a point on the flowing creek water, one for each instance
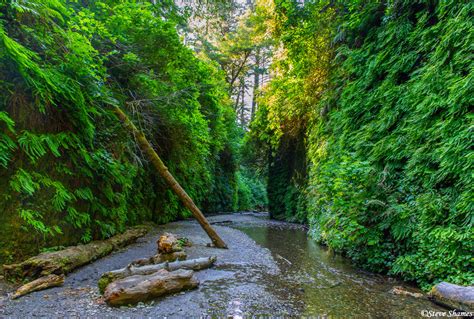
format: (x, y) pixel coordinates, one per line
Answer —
(321, 283)
(271, 269)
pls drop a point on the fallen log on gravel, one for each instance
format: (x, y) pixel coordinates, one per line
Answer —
(160, 258)
(453, 296)
(134, 289)
(192, 264)
(39, 284)
(66, 260)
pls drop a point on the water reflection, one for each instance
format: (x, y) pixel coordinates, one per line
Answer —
(321, 283)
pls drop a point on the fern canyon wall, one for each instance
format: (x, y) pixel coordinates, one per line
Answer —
(368, 124)
(69, 171)
(351, 117)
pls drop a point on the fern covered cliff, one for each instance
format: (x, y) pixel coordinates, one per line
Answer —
(68, 171)
(379, 95)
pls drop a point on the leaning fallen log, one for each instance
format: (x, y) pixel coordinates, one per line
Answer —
(39, 284)
(161, 168)
(134, 289)
(453, 296)
(130, 270)
(66, 260)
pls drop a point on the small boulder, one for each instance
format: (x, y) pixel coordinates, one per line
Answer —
(170, 243)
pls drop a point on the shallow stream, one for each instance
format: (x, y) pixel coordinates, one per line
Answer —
(271, 269)
(322, 283)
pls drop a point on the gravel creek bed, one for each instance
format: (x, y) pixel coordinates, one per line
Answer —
(270, 269)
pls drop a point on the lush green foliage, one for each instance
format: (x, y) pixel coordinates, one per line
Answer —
(251, 191)
(300, 67)
(387, 125)
(66, 162)
(364, 130)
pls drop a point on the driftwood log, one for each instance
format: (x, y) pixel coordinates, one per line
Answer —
(66, 260)
(159, 258)
(134, 289)
(39, 284)
(114, 275)
(453, 296)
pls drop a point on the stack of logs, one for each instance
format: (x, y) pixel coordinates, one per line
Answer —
(164, 273)
(49, 269)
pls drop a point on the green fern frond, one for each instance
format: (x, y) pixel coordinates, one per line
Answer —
(76, 218)
(36, 145)
(33, 219)
(62, 196)
(22, 182)
(10, 124)
(7, 146)
(84, 193)
(32, 145)
(46, 9)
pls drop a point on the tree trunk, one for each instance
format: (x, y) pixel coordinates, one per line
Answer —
(130, 270)
(256, 82)
(453, 296)
(39, 284)
(235, 75)
(66, 260)
(242, 102)
(237, 100)
(159, 258)
(170, 180)
(134, 289)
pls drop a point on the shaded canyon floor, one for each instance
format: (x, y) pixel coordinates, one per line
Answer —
(271, 268)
